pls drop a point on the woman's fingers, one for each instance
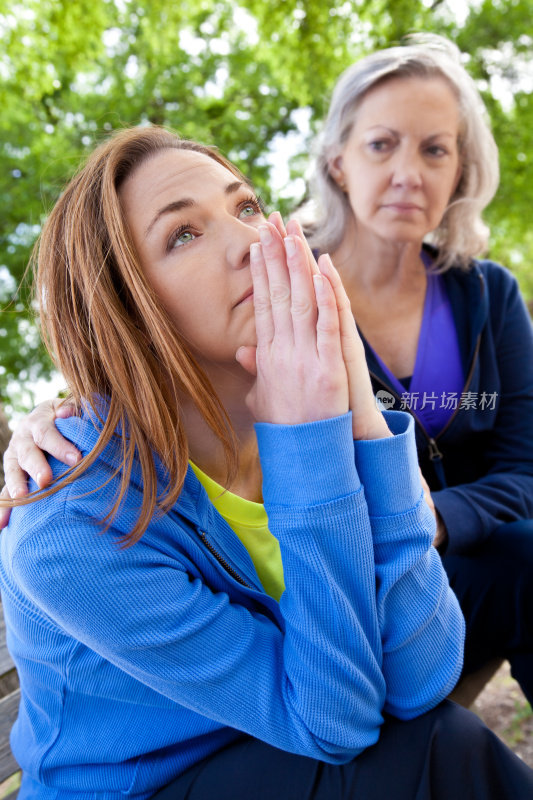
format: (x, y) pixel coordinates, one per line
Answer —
(4, 512)
(284, 297)
(295, 229)
(63, 409)
(34, 434)
(367, 420)
(264, 323)
(301, 376)
(350, 339)
(276, 219)
(327, 326)
(24, 456)
(303, 299)
(23, 452)
(279, 286)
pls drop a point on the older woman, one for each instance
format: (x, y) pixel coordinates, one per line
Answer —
(172, 635)
(406, 165)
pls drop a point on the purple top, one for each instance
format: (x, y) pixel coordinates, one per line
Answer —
(434, 390)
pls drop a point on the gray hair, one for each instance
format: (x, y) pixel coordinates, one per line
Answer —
(461, 234)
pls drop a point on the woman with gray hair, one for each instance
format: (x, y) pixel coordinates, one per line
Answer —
(460, 233)
(406, 164)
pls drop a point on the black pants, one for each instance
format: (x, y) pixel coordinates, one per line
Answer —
(446, 754)
(494, 585)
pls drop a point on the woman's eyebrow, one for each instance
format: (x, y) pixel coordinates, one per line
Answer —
(442, 134)
(186, 202)
(175, 205)
(233, 187)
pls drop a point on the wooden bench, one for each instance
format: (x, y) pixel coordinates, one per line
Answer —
(9, 702)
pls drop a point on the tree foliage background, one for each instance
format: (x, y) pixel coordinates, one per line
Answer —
(246, 76)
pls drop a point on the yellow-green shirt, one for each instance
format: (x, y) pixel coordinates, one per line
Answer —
(250, 522)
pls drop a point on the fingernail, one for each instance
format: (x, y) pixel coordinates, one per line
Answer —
(290, 246)
(255, 250)
(18, 492)
(318, 280)
(264, 233)
(324, 262)
(71, 458)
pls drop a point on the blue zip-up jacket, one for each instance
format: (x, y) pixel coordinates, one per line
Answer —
(136, 663)
(480, 466)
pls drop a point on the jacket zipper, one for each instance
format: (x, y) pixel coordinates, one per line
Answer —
(434, 452)
(465, 387)
(222, 561)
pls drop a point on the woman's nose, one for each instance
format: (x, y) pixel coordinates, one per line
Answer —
(407, 170)
(239, 237)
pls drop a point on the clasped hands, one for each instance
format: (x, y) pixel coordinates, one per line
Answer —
(309, 360)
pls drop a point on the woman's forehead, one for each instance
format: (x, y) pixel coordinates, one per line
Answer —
(179, 163)
(396, 89)
(429, 103)
(173, 171)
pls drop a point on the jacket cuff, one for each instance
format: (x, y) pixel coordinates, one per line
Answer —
(388, 468)
(463, 524)
(307, 464)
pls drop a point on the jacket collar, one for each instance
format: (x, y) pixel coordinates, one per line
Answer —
(468, 296)
(192, 504)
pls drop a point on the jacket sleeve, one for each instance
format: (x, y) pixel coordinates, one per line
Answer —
(472, 511)
(421, 623)
(313, 686)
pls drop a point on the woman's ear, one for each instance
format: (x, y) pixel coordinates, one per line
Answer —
(336, 171)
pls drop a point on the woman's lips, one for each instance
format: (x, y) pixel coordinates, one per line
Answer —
(246, 297)
(402, 206)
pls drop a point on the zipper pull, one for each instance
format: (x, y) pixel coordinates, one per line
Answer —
(434, 452)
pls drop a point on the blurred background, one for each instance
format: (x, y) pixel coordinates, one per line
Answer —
(253, 78)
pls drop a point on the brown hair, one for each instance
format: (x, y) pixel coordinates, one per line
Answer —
(109, 334)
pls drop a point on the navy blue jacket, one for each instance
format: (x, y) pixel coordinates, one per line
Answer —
(480, 465)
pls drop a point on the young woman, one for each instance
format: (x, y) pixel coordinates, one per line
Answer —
(406, 165)
(169, 633)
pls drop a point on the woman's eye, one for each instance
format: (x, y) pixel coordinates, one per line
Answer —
(436, 150)
(250, 207)
(180, 237)
(379, 145)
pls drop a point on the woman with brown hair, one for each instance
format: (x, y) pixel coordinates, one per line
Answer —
(168, 629)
